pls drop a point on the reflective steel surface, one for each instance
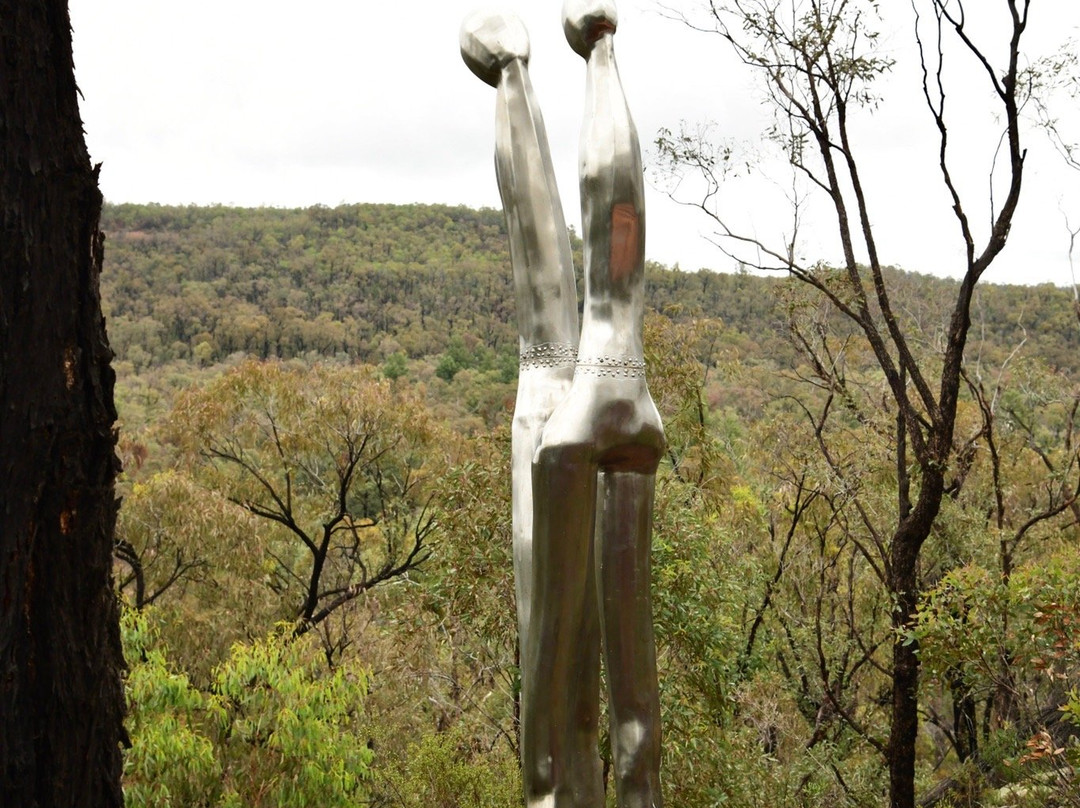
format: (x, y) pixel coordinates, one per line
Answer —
(587, 436)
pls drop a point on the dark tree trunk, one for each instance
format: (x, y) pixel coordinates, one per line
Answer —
(61, 699)
(965, 721)
(904, 552)
(905, 685)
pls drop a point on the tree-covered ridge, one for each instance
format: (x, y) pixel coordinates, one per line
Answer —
(281, 283)
(371, 281)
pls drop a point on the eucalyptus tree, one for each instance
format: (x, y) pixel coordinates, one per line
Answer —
(819, 61)
(336, 458)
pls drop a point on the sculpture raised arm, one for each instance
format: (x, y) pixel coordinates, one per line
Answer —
(496, 48)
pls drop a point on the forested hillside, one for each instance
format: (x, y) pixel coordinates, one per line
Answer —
(367, 281)
(314, 543)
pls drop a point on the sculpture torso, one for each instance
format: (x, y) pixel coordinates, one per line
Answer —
(609, 409)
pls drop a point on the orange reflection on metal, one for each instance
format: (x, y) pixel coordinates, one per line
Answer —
(625, 232)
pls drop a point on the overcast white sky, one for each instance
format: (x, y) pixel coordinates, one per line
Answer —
(265, 102)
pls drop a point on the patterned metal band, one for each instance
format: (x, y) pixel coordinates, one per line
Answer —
(619, 367)
(547, 355)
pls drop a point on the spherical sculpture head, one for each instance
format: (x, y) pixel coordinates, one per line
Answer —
(585, 21)
(491, 40)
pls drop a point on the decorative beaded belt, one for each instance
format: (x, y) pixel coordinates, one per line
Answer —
(620, 367)
(547, 355)
(557, 354)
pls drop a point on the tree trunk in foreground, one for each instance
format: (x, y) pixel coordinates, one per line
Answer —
(61, 699)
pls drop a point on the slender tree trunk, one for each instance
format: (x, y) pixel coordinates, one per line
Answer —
(905, 684)
(965, 723)
(61, 700)
(907, 543)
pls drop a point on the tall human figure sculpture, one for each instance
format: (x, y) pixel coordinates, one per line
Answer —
(587, 437)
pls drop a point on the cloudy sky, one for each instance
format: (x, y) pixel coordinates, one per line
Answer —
(264, 102)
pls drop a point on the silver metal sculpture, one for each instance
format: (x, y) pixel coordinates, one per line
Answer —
(587, 437)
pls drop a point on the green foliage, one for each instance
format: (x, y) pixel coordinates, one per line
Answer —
(291, 730)
(202, 565)
(467, 353)
(175, 544)
(444, 770)
(274, 728)
(475, 549)
(171, 760)
(451, 640)
(395, 366)
(973, 617)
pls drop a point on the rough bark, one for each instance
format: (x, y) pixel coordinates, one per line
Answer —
(61, 697)
(904, 727)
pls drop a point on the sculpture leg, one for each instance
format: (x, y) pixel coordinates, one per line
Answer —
(585, 774)
(539, 391)
(560, 763)
(623, 536)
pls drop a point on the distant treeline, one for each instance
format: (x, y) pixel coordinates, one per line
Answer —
(373, 281)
